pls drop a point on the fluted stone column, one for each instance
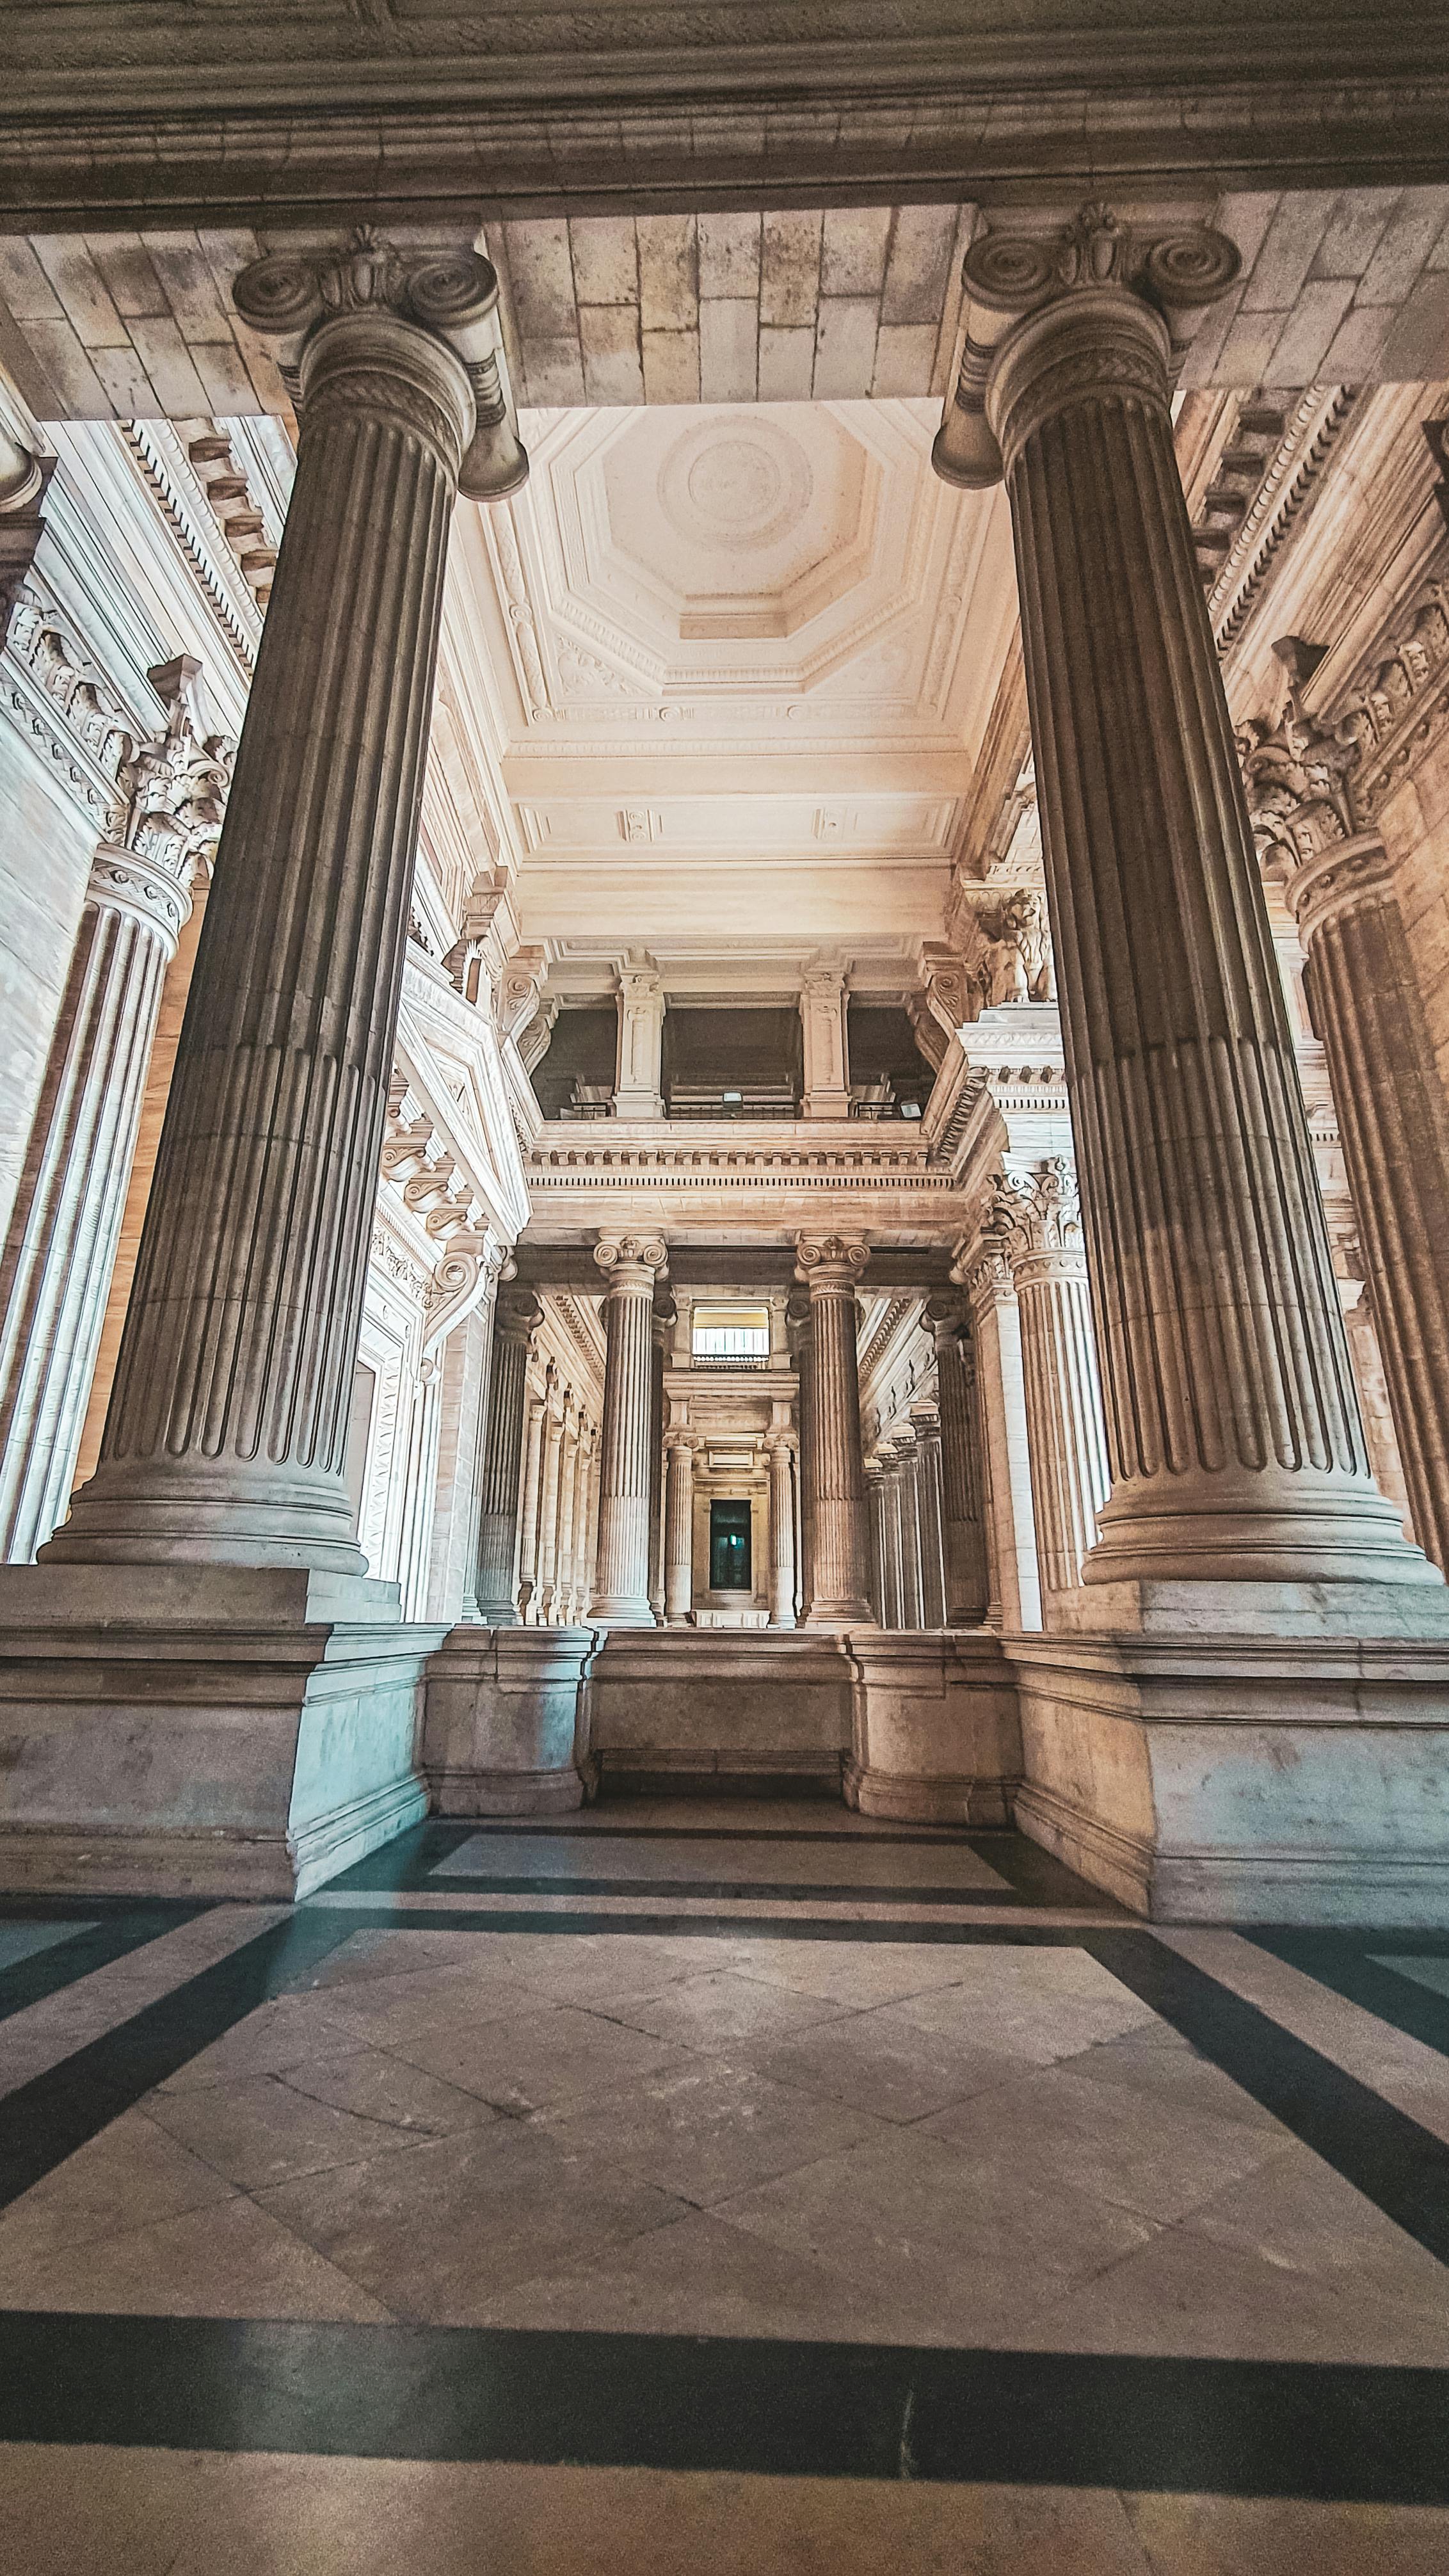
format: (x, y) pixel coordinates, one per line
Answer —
(963, 1516)
(1037, 1222)
(801, 1331)
(679, 1531)
(537, 1411)
(578, 1600)
(630, 1264)
(782, 1531)
(548, 1490)
(875, 1486)
(226, 1434)
(1232, 1425)
(908, 1489)
(55, 1274)
(1005, 1444)
(830, 1268)
(1367, 1010)
(891, 1585)
(930, 1501)
(660, 1330)
(517, 1316)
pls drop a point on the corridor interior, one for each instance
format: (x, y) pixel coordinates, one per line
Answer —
(737, 2183)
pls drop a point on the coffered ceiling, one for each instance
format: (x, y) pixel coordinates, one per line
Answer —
(742, 662)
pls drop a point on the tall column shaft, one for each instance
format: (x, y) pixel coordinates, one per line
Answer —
(1392, 1121)
(537, 1414)
(930, 1500)
(1233, 1432)
(782, 1534)
(830, 1267)
(548, 1492)
(1038, 1223)
(963, 1517)
(909, 1490)
(661, 1325)
(563, 1586)
(227, 1427)
(579, 1526)
(67, 1218)
(679, 1532)
(1005, 1443)
(630, 1264)
(516, 1318)
(802, 1343)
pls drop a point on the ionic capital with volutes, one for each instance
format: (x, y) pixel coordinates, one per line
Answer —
(830, 1265)
(390, 304)
(1059, 309)
(631, 1261)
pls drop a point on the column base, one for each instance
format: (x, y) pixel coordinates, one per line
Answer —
(491, 1614)
(856, 1613)
(186, 1731)
(506, 1728)
(1215, 1775)
(623, 1610)
(1325, 1529)
(934, 1736)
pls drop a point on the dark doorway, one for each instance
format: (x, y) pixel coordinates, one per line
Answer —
(729, 1547)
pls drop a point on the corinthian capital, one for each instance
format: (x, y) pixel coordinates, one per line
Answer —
(175, 783)
(451, 294)
(1031, 260)
(1037, 1211)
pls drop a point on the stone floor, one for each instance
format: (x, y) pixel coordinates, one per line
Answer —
(723, 2188)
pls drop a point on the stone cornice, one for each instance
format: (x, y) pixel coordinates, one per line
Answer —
(1291, 479)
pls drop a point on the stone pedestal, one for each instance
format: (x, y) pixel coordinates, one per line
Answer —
(721, 1710)
(827, 1066)
(830, 1267)
(638, 1079)
(214, 1731)
(934, 1730)
(506, 1730)
(630, 1265)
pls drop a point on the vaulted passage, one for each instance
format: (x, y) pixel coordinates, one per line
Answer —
(724, 1288)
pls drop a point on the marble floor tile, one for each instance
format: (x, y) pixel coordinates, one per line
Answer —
(377, 2011)
(878, 2062)
(436, 2234)
(857, 1973)
(699, 2276)
(1188, 2535)
(20, 1941)
(1301, 2216)
(938, 2251)
(129, 2175)
(1110, 2142)
(271, 2514)
(226, 2260)
(290, 2031)
(1041, 2005)
(705, 2129)
(264, 2130)
(600, 1967)
(817, 1861)
(719, 2007)
(539, 2059)
(1198, 2295)
(380, 2087)
(1157, 2060)
(386, 1954)
(1433, 1973)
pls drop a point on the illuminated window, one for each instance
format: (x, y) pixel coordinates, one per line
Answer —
(731, 1332)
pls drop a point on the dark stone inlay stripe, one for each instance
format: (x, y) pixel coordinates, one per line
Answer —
(46, 2120)
(31, 1980)
(767, 1890)
(1401, 2167)
(1346, 1963)
(1312, 2430)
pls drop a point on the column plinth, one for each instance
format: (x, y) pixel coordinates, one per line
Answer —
(226, 1435)
(630, 1264)
(1233, 1432)
(830, 1268)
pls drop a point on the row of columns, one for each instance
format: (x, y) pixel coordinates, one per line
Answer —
(1232, 1441)
(639, 1061)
